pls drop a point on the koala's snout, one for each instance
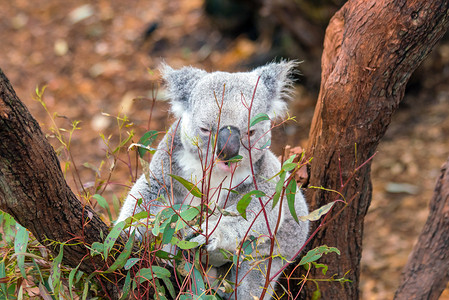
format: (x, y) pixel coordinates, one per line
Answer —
(228, 142)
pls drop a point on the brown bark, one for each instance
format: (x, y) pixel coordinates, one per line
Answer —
(33, 189)
(426, 274)
(370, 50)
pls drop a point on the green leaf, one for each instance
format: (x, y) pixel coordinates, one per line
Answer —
(148, 274)
(131, 262)
(124, 255)
(289, 160)
(167, 255)
(318, 213)
(55, 276)
(96, 248)
(258, 118)
(147, 139)
(3, 275)
(289, 166)
(249, 245)
(134, 218)
(185, 216)
(103, 203)
(279, 187)
(20, 246)
(86, 287)
(190, 214)
(124, 142)
(317, 265)
(246, 200)
(170, 287)
(198, 287)
(169, 229)
(160, 291)
(316, 295)
(160, 272)
(78, 276)
(157, 226)
(193, 189)
(316, 253)
(235, 159)
(126, 287)
(291, 197)
(112, 237)
(266, 145)
(185, 245)
(71, 282)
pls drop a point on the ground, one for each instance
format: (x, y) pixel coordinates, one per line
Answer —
(98, 61)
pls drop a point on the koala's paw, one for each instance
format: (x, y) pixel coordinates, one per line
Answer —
(212, 243)
(200, 239)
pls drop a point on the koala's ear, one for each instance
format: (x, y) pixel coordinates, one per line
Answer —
(179, 86)
(277, 79)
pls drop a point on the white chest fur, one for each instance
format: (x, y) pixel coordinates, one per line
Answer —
(210, 179)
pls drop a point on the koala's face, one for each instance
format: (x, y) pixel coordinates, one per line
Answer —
(216, 109)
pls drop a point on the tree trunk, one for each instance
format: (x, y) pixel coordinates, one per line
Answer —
(426, 274)
(371, 48)
(33, 189)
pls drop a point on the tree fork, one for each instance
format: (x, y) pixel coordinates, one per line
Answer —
(370, 50)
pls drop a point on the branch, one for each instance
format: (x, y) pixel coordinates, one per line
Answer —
(426, 274)
(33, 189)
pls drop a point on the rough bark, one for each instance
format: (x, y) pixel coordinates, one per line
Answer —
(426, 274)
(370, 50)
(33, 189)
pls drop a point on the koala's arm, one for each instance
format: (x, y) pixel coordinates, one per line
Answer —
(140, 190)
(151, 192)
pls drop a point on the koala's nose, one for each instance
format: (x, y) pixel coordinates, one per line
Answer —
(228, 142)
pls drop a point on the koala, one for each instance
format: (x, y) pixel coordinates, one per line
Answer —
(213, 112)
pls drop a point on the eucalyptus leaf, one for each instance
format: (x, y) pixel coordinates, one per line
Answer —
(55, 276)
(318, 213)
(146, 140)
(198, 287)
(126, 286)
(291, 197)
(193, 189)
(20, 246)
(279, 187)
(183, 244)
(103, 203)
(258, 118)
(246, 200)
(112, 237)
(124, 255)
(131, 262)
(316, 253)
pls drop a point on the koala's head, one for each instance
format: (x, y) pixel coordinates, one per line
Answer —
(215, 109)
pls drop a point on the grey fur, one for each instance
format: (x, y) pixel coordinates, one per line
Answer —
(195, 98)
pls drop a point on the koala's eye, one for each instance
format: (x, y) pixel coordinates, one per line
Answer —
(252, 132)
(204, 130)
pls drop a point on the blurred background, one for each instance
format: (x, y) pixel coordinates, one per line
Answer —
(99, 59)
